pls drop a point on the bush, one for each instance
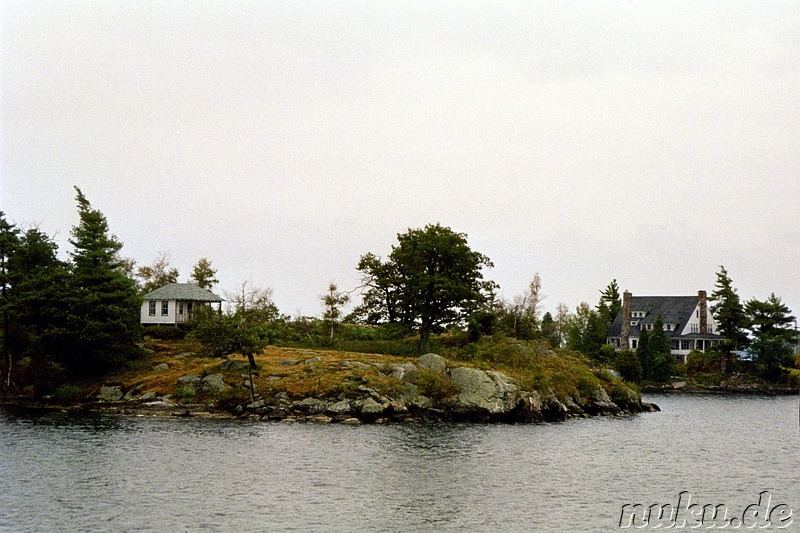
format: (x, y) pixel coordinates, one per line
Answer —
(435, 386)
(627, 364)
(66, 394)
(165, 332)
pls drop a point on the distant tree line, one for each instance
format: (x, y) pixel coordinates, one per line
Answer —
(80, 317)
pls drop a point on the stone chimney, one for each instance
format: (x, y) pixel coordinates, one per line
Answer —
(626, 320)
(701, 295)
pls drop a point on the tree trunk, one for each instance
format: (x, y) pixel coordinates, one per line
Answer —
(251, 358)
(424, 338)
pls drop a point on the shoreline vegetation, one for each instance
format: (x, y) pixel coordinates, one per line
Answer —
(429, 340)
(326, 385)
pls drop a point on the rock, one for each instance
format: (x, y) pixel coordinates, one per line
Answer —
(191, 379)
(313, 360)
(234, 366)
(678, 384)
(433, 363)
(213, 383)
(477, 390)
(161, 367)
(339, 408)
(406, 372)
(273, 378)
(287, 362)
(148, 396)
(370, 407)
(109, 394)
(357, 364)
(310, 405)
(351, 421)
(255, 405)
(131, 394)
(320, 419)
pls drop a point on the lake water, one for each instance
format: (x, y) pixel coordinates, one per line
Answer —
(68, 473)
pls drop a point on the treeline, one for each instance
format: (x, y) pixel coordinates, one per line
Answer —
(66, 319)
(80, 317)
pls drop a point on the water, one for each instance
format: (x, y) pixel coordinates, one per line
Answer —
(66, 473)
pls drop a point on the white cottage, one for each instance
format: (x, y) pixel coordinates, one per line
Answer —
(175, 303)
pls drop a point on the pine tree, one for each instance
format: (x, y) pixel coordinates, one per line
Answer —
(773, 338)
(106, 302)
(730, 315)
(9, 241)
(203, 274)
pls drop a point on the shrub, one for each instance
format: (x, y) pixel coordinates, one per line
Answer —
(66, 394)
(435, 386)
(165, 332)
(628, 365)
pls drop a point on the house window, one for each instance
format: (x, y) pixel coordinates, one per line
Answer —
(165, 308)
(634, 322)
(649, 327)
(634, 342)
(152, 307)
(180, 309)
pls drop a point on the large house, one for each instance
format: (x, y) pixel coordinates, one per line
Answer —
(688, 322)
(175, 303)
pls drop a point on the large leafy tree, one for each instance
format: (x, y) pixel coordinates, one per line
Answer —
(106, 302)
(773, 337)
(432, 278)
(156, 275)
(729, 312)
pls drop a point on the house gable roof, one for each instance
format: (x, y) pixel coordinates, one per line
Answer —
(672, 310)
(182, 291)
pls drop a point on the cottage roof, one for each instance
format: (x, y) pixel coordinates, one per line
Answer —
(672, 310)
(182, 291)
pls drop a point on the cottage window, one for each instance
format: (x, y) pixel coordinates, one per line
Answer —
(634, 342)
(165, 308)
(695, 328)
(152, 308)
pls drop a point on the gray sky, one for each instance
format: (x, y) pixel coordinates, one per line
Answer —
(644, 141)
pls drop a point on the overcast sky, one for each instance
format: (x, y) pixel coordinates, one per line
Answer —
(649, 142)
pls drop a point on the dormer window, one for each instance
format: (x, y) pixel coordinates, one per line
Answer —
(634, 322)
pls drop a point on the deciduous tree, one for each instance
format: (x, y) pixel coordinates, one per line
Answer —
(333, 301)
(158, 274)
(431, 279)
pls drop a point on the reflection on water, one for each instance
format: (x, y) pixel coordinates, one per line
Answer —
(61, 472)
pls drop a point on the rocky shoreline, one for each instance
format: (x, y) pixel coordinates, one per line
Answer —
(427, 389)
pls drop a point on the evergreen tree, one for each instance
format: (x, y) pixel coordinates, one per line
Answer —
(611, 298)
(105, 321)
(730, 315)
(41, 305)
(9, 241)
(644, 354)
(773, 339)
(203, 274)
(550, 330)
(660, 353)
